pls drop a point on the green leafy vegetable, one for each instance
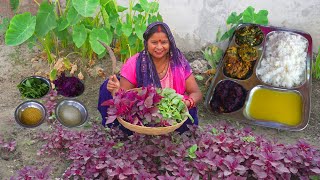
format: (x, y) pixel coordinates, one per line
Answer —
(316, 66)
(33, 88)
(192, 151)
(172, 107)
(213, 55)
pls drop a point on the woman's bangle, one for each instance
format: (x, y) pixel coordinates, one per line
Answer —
(191, 103)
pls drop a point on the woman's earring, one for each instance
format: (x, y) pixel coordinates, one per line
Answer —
(171, 54)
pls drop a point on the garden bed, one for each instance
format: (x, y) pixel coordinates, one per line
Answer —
(16, 64)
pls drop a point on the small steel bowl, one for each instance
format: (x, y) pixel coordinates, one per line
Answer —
(74, 104)
(44, 80)
(25, 105)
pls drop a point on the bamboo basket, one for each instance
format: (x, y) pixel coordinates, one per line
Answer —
(150, 130)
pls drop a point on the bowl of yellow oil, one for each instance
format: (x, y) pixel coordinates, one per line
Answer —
(30, 114)
(275, 105)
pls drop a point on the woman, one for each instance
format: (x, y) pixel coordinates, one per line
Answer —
(160, 64)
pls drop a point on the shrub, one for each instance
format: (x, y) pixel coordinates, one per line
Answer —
(216, 151)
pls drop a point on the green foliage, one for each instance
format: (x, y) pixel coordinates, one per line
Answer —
(171, 106)
(248, 139)
(316, 66)
(21, 28)
(14, 4)
(192, 151)
(81, 25)
(129, 30)
(247, 16)
(213, 55)
(33, 88)
(46, 19)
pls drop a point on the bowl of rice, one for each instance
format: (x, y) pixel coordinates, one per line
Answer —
(284, 62)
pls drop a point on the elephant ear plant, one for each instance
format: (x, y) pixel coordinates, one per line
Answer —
(81, 26)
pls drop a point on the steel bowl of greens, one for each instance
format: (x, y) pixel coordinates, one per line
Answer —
(30, 114)
(71, 113)
(34, 87)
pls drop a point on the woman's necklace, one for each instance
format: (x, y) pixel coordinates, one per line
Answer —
(164, 69)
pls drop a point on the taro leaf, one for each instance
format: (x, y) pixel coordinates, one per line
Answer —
(21, 28)
(53, 74)
(234, 18)
(102, 35)
(105, 18)
(104, 2)
(62, 24)
(159, 17)
(132, 39)
(121, 8)
(140, 30)
(127, 29)
(79, 35)
(138, 8)
(227, 34)
(113, 19)
(248, 15)
(144, 5)
(149, 7)
(73, 16)
(46, 19)
(102, 55)
(124, 51)
(86, 8)
(110, 7)
(261, 17)
(154, 7)
(119, 29)
(63, 35)
(152, 19)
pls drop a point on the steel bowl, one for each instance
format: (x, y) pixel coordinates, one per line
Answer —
(44, 80)
(73, 104)
(26, 105)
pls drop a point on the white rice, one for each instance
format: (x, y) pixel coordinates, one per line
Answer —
(284, 61)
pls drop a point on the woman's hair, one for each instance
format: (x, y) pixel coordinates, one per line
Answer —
(154, 29)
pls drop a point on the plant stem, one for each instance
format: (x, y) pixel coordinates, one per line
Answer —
(36, 2)
(73, 53)
(59, 8)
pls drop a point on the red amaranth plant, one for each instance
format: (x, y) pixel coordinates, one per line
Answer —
(32, 172)
(214, 152)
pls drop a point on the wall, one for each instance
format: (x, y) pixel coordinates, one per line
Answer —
(195, 22)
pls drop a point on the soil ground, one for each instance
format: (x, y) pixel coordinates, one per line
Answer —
(15, 64)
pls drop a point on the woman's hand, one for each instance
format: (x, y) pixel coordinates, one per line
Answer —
(113, 84)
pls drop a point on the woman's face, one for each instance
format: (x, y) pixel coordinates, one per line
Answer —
(158, 45)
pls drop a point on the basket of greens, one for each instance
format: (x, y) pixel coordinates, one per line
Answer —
(148, 110)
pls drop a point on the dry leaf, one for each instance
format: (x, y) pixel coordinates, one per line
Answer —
(59, 66)
(91, 63)
(74, 68)
(80, 76)
(100, 72)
